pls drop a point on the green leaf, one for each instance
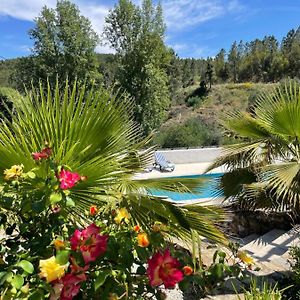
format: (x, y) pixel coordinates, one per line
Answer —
(37, 295)
(70, 202)
(26, 265)
(217, 271)
(3, 276)
(62, 257)
(100, 280)
(17, 281)
(31, 174)
(55, 197)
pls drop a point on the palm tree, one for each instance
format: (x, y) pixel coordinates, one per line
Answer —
(264, 169)
(91, 132)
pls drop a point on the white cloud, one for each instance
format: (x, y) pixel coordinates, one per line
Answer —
(179, 14)
(25, 9)
(29, 9)
(182, 14)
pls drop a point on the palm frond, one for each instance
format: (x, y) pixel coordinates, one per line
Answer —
(90, 132)
(272, 149)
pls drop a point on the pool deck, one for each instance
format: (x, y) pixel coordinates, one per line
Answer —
(181, 170)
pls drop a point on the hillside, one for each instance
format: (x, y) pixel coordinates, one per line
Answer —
(193, 120)
(199, 124)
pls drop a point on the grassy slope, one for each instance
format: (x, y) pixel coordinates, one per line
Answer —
(221, 99)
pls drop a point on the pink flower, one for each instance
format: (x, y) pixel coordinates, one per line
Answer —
(89, 242)
(44, 154)
(164, 269)
(68, 179)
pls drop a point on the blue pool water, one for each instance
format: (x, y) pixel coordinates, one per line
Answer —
(207, 189)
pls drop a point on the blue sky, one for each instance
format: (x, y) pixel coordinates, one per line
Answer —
(196, 28)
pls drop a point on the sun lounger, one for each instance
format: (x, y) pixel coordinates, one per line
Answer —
(162, 163)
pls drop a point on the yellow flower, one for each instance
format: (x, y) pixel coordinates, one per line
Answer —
(14, 172)
(245, 258)
(51, 270)
(122, 215)
(143, 240)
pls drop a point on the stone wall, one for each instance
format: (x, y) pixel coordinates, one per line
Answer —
(244, 223)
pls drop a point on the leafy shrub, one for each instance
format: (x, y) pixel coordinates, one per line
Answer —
(194, 101)
(77, 223)
(201, 91)
(294, 279)
(193, 133)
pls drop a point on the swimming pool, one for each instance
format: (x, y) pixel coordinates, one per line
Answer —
(207, 190)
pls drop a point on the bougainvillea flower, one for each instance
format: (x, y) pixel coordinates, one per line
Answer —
(187, 270)
(143, 240)
(122, 215)
(44, 154)
(14, 172)
(51, 270)
(245, 258)
(93, 210)
(89, 242)
(164, 269)
(136, 228)
(68, 179)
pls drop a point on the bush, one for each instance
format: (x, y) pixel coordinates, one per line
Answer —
(294, 279)
(193, 133)
(194, 101)
(67, 167)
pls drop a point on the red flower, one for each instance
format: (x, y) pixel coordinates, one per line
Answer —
(164, 269)
(44, 154)
(187, 270)
(68, 287)
(93, 210)
(68, 179)
(89, 242)
(136, 228)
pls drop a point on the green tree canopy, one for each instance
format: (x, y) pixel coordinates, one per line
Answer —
(137, 35)
(64, 46)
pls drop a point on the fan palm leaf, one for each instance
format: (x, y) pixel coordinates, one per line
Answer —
(271, 146)
(91, 132)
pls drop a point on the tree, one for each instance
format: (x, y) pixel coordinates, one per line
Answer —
(220, 66)
(137, 35)
(209, 72)
(64, 44)
(264, 168)
(291, 50)
(233, 61)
